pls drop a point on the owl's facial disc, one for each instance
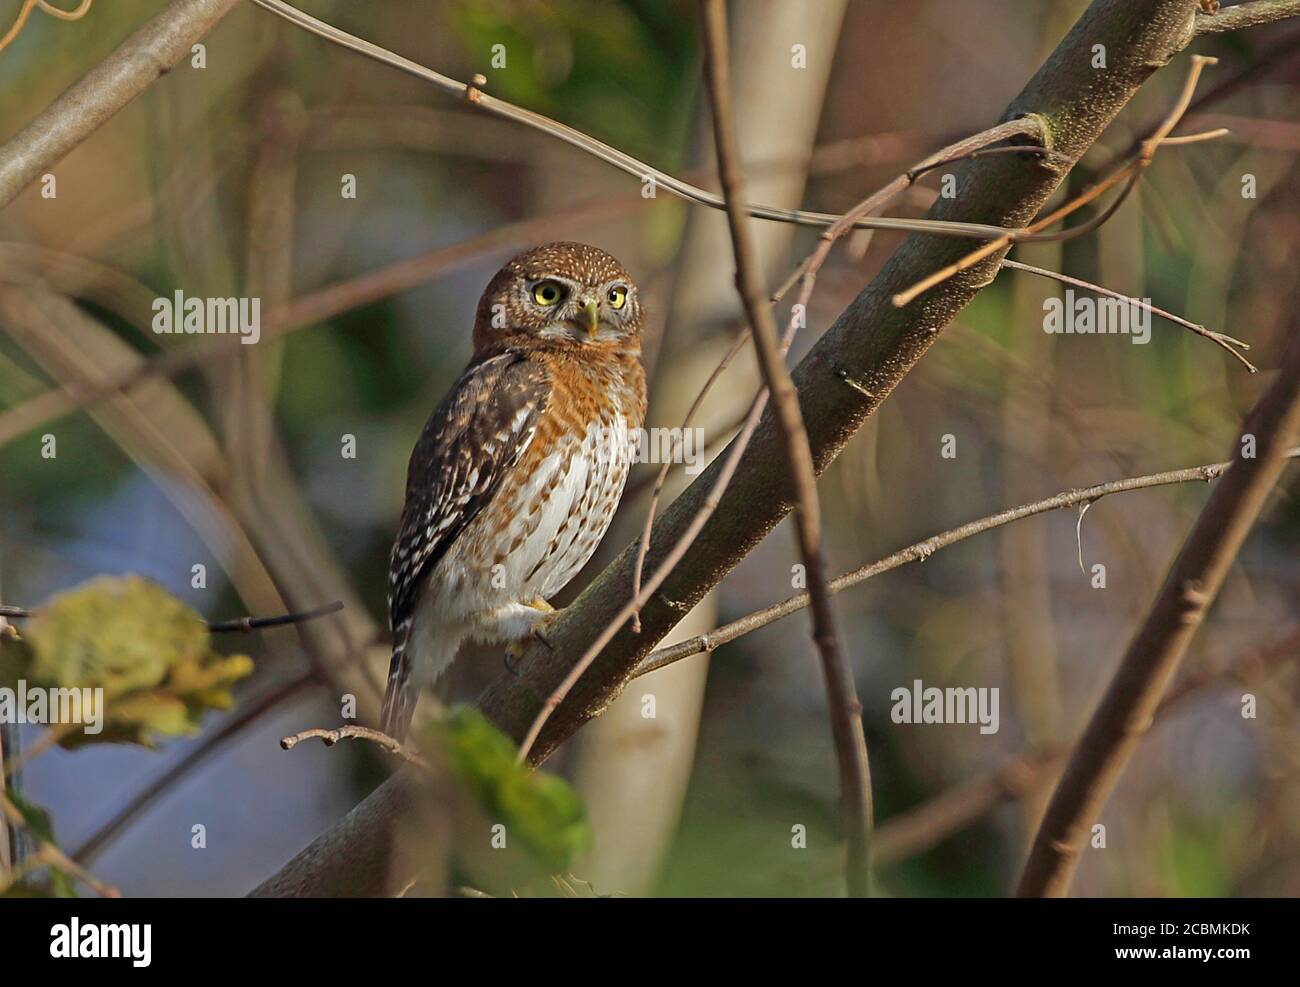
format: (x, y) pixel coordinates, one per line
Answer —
(581, 312)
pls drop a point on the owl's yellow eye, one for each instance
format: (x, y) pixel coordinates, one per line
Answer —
(617, 296)
(547, 293)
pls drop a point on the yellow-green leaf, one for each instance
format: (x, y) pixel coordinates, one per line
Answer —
(118, 633)
(147, 650)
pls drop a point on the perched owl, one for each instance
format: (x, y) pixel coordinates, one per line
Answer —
(516, 476)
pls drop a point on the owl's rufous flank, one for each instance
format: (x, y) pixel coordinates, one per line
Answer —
(516, 476)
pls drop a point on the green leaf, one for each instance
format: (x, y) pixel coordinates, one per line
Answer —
(541, 812)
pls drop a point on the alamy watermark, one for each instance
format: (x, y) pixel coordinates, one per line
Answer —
(922, 704)
(102, 940)
(52, 706)
(219, 316)
(1085, 315)
(652, 445)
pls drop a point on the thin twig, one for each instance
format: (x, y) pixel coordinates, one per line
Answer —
(349, 732)
(242, 624)
(1218, 338)
(922, 550)
(1127, 173)
(474, 96)
(247, 624)
(969, 148)
(29, 5)
(1245, 15)
(1153, 655)
(661, 478)
(53, 735)
(841, 692)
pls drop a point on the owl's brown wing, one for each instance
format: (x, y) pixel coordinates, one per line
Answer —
(469, 444)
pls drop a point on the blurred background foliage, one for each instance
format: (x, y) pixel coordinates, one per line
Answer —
(226, 180)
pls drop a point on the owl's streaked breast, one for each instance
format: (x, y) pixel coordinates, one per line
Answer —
(549, 516)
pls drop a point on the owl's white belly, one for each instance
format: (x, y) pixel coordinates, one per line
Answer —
(527, 543)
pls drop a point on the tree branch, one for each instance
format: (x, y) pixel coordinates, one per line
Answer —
(1127, 708)
(922, 550)
(1246, 15)
(349, 731)
(147, 54)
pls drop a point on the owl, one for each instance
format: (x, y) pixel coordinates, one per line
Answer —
(517, 473)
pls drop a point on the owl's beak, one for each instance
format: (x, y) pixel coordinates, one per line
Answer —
(591, 309)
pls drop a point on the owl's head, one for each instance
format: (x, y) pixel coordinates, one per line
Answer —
(559, 295)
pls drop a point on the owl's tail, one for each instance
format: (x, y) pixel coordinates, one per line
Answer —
(403, 689)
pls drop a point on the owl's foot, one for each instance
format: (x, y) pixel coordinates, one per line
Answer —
(537, 630)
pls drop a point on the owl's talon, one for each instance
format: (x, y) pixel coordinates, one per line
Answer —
(514, 651)
(538, 630)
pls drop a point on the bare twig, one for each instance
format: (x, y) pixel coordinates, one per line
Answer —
(1127, 173)
(841, 693)
(247, 624)
(922, 550)
(1193, 581)
(964, 150)
(662, 477)
(351, 732)
(29, 5)
(475, 97)
(1218, 338)
(242, 624)
(1245, 15)
(53, 735)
